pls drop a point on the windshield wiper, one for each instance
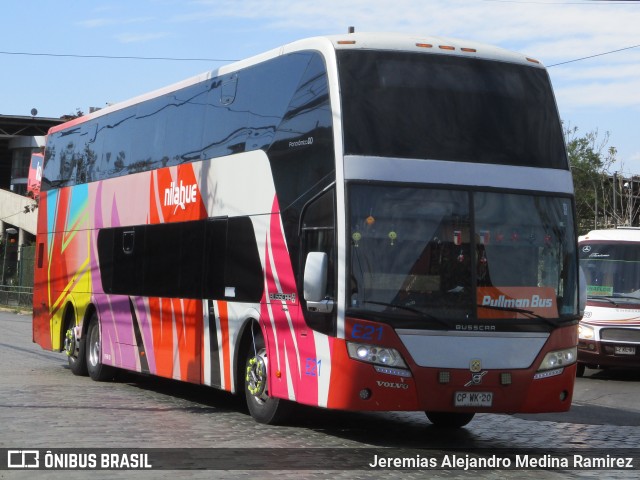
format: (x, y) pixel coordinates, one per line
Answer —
(610, 298)
(530, 313)
(603, 298)
(410, 309)
(626, 296)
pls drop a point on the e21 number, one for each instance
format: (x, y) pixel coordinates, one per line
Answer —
(366, 332)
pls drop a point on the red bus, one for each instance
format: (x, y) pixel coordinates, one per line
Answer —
(35, 175)
(356, 222)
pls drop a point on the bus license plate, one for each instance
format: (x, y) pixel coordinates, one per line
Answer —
(625, 350)
(473, 399)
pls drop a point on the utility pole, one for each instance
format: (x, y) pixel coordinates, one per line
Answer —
(615, 187)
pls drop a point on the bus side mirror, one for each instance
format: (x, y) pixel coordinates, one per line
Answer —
(582, 283)
(315, 283)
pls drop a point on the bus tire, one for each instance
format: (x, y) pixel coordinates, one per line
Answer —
(93, 345)
(449, 419)
(262, 407)
(580, 368)
(77, 361)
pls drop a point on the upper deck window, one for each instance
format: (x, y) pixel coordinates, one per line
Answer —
(443, 107)
(277, 106)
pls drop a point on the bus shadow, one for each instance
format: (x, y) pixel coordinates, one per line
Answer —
(383, 429)
(204, 398)
(375, 429)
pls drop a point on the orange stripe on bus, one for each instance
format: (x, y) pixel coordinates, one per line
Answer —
(226, 354)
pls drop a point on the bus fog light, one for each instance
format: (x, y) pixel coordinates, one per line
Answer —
(559, 359)
(365, 393)
(374, 354)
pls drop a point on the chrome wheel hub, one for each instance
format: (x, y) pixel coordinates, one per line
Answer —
(256, 376)
(94, 347)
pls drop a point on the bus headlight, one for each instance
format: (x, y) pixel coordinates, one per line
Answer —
(585, 333)
(389, 357)
(559, 359)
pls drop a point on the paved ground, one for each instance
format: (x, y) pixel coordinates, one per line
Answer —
(42, 405)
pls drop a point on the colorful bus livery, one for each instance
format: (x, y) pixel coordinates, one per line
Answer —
(35, 175)
(359, 222)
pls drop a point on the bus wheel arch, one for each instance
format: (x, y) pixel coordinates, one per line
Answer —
(253, 381)
(72, 343)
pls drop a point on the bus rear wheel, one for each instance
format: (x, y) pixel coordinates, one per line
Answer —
(93, 345)
(74, 348)
(449, 419)
(262, 407)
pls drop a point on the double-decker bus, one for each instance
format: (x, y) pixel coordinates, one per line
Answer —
(359, 222)
(35, 175)
(609, 333)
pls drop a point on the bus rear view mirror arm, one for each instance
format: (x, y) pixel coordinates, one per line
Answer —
(323, 306)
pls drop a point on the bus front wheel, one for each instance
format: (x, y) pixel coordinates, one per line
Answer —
(449, 419)
(262, 407)
(97, 370)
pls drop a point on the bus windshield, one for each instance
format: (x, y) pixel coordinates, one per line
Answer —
(424, 255)
(443, 107)
(611, 270)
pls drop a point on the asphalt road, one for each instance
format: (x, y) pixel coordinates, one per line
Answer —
(44, 406)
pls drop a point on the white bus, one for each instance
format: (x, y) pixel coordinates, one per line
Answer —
(609, 333)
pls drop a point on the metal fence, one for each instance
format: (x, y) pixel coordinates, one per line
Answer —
(16, 275)
(26, 265)
(14, 296)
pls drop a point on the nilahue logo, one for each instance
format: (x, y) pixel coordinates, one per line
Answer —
(180, 195)
(175, 196)
(505, 302)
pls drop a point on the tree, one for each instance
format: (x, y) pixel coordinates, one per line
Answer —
(591, 162)
(72, 116)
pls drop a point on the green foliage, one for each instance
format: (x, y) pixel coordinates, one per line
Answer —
(591, 160)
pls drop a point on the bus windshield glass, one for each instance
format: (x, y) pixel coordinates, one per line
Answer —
(424, 255)
(443, 107)
(611, 270)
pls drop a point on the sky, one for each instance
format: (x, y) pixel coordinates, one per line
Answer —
(57, 56)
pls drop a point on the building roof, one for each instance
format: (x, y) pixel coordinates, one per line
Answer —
(13, 125)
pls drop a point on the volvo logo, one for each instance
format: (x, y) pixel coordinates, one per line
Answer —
(403, 386)
(476, 379)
